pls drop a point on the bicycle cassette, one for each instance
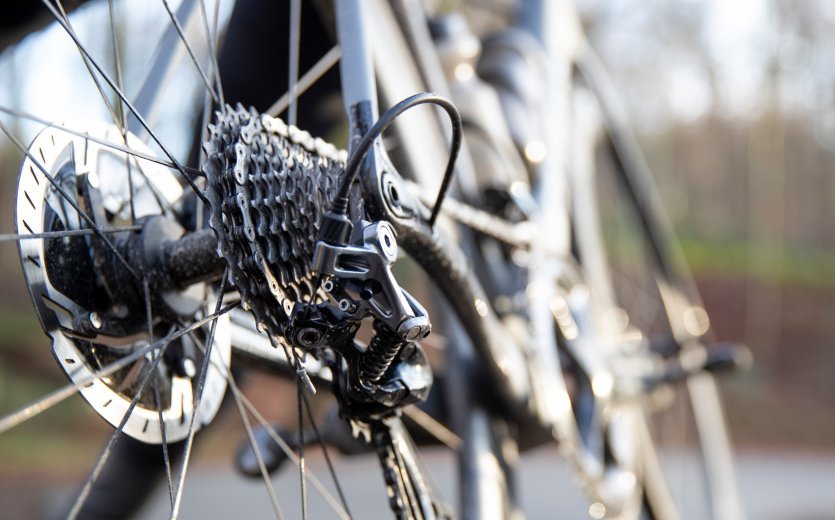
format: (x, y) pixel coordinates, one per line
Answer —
(268, 185)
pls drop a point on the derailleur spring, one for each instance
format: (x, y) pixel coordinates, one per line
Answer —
(381, 351)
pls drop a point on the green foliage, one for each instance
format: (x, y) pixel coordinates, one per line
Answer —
(764, 262)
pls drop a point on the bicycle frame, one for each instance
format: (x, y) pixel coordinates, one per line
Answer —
(380, 46)
(521, 365)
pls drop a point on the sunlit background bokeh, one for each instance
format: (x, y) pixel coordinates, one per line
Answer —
(734, 105)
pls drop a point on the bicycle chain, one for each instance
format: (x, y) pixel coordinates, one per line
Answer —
(403, 502)
(514, 234)
(267, 185)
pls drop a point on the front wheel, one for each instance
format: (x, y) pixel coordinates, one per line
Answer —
(634, 269)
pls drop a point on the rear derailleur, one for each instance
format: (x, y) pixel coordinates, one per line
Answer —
(392, 371)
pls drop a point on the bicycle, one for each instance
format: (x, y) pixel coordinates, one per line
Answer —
(134, 291)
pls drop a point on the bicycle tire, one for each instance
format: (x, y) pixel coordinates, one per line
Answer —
(631, 258)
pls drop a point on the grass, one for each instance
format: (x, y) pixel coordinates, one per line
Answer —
(788, 265)
(799, 266)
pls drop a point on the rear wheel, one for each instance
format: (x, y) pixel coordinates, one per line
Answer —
(148, 347)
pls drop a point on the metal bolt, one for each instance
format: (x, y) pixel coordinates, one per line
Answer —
(93, 180)
(95, 320)
(328, 286)
(387, 241)
(413, 333)
(344, 305)
(309, 337)
(189, 368)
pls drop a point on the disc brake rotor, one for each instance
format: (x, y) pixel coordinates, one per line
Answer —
(77, 296)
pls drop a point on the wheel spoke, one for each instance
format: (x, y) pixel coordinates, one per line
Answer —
(198, 396)
(124, 99)
(9, 237)
(162, 429)
(327, 455)
(48, 401)
(295, 41)
(190, 50)
(117, 59)
(120, 82)
(300, 412)
(94, 475)
(341, 510)
(214, 70)
(88, 66)
(433, 427)
(310, 77)
(236, 394)
(301, 381)
(258, 456)
(211, 36)
(109, 144)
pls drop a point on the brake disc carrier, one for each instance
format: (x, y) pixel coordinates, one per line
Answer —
(76, 300)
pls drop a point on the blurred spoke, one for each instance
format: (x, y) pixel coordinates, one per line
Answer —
(189, 49)
(198, 396)
(318, 70)
(295, 40)
(433, 427)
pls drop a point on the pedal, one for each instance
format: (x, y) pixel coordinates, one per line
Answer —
(271, 453)
(727, 356)
(334, 431)
(724, 356)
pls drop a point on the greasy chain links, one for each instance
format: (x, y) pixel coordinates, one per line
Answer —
(267, 185)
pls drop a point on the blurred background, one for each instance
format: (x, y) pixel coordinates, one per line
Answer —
(734, 104)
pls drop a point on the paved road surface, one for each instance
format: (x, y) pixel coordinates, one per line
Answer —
(775, 486)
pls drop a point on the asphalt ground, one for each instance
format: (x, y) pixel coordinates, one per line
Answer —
(774, 485)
